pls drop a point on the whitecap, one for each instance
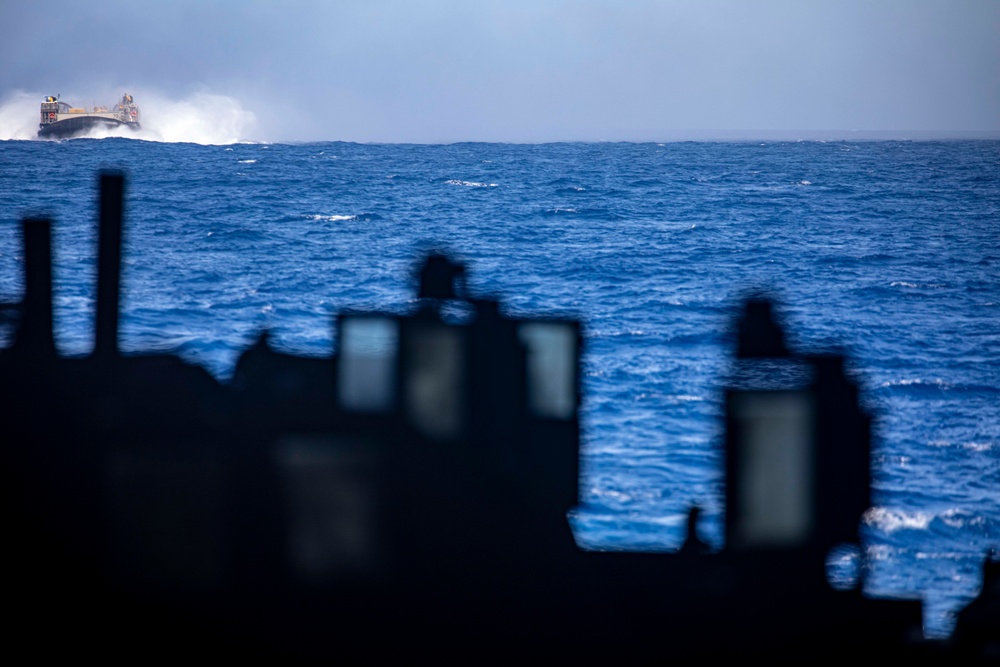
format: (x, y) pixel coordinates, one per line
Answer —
(917, 382)
(332, 218)
(890, 520)
(679, 519)
(611, 494)
(251, 161)
(805, 182)
(879, 552)
(957, 518)
(471, 184)
(924, 555)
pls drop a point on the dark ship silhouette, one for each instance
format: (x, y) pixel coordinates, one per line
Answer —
(410, 494)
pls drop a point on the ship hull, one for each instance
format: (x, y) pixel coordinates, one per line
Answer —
(80, 125)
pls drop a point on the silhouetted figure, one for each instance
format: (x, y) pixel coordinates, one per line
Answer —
(694, 545)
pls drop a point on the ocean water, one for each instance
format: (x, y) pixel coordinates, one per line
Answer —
(888, 251)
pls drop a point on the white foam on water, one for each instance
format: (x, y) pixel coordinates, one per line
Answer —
(471, 184)
(917, 382)
(332, 218)
(891, 520)
(958, 518)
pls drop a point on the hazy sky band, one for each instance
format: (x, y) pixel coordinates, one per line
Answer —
(398, 70)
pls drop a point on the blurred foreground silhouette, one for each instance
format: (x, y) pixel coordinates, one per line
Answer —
(410, 493)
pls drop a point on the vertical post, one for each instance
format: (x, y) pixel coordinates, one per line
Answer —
(34, 335)
(843, 439)
(109, 264)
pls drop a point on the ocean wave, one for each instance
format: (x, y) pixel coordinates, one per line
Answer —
(331, 218)
(934, 386)
(969, 446)
(674, 399)
(363, 217)
(585, 213)
(943, 522)
(941, 555)
(893, 520)
(562, 180)
(471, 184)
(918, 383)
(958, 518)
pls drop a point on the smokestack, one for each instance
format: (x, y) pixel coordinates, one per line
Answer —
(34, 335)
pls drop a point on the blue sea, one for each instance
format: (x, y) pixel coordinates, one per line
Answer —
(886, 250)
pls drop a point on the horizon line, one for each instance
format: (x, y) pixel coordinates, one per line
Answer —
(708, 136)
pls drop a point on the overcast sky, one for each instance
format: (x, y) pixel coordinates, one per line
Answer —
(523, 70)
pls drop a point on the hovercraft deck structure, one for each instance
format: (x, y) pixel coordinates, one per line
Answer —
(59, 120)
